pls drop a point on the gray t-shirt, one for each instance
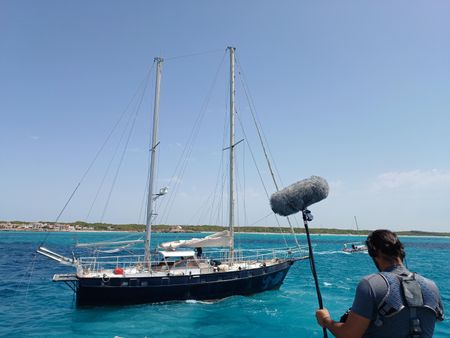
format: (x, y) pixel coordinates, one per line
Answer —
(370, 293)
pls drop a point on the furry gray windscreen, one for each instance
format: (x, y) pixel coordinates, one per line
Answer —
(299, 196)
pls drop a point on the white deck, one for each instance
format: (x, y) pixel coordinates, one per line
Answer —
(161, 271)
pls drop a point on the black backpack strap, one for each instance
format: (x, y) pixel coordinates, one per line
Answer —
(412, 290)
(415, 330)
(412, 294)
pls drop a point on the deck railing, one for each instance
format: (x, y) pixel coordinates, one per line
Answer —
(212, 258)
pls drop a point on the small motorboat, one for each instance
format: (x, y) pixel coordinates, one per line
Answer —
(355, 247)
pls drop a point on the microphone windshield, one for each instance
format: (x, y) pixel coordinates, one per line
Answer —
(298, 196)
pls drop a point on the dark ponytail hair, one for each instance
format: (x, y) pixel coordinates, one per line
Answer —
(386, 244)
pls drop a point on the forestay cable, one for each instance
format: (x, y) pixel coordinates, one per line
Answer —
(260, 175)
(258, 129)
(102, 147)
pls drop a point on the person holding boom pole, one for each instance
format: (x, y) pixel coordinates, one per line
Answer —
(391, 303)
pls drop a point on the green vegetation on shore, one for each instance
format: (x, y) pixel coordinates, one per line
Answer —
(80, 226)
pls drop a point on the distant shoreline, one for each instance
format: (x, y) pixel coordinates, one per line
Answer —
(343, 234)
(79, 226)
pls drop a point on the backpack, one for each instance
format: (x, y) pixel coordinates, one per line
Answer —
(411, 291)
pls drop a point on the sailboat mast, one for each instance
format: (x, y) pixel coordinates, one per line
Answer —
(356, 222)
(232, 110)
(150, 213)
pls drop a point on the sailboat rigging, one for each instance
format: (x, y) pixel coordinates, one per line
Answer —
(178, 270)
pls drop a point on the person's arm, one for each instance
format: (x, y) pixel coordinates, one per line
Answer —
(354, 327)
(359, 317)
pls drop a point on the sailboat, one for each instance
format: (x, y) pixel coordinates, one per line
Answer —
(355, 246)
(178, 270)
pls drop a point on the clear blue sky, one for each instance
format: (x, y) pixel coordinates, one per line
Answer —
(355, 91)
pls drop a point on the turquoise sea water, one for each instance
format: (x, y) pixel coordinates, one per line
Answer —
(32, 305)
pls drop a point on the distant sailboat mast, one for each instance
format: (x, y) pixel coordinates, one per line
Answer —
(356, 222)
(150, 199)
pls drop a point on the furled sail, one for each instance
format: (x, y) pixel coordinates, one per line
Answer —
(219, 239)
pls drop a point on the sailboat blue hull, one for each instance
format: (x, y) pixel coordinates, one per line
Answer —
(96, 291)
